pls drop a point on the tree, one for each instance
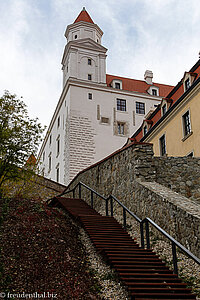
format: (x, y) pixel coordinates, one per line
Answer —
(20, 137)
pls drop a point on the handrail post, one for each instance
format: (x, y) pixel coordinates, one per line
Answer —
(174, 258)
(79, 190)
(74, 193)
(107, 208)
(92, 199)
(147, 234)
(111, 206)
(124, 217)
(142, 234)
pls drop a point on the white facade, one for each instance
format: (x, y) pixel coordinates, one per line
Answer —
(92, 118)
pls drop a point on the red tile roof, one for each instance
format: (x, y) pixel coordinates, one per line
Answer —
(174, 96)
(84, 16)
(139, 86)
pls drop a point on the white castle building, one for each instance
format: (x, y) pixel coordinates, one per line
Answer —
(96, 112)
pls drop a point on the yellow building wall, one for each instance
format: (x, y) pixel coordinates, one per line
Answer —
(172, 127)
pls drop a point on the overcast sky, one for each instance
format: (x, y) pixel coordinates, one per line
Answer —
(159, 35)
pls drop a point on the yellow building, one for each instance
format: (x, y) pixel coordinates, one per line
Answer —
(174, 127)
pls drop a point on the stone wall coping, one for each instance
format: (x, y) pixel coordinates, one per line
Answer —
(189, 206)
(48, 183)
(108, 157)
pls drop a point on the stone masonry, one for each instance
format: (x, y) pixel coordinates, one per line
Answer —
(144, 184)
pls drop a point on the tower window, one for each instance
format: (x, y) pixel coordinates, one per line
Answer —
(90, 96)
(89, 61)
(89, 77)
(121, 104)
(140, 108)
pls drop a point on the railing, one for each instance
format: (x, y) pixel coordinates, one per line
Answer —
(145, 221)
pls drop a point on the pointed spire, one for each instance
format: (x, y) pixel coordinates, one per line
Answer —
(84, 16)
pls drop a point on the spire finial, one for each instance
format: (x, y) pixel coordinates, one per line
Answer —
(83, 8)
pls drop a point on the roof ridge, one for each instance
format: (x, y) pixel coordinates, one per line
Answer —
(84, 16)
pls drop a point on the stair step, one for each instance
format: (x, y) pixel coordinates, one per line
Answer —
(142, 271)
(148, 275)
(159, 296)
(160, 290)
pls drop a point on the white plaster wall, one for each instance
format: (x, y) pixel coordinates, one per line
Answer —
(103, 141)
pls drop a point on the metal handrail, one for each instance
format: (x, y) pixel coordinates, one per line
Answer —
(145, 221)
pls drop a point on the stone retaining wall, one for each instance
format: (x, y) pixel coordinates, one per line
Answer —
(130, 175)
(181, 174)
(172, 211)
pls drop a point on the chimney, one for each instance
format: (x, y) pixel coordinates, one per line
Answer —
(148, 76)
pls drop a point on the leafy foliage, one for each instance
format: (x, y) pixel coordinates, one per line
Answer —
(42, 252)
(19, 137)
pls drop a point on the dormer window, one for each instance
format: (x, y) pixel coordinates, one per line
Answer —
(164, 109)
(145, 130)
(89, 61)
(188, 80)
(75, 36)
(154, 92)
(117, 85)
(187, 84)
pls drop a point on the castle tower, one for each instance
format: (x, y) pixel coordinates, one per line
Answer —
(96, 112)
(84, 57)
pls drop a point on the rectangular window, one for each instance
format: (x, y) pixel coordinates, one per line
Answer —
(162, 145)
(117, 85)
(140, 108)
(58, 122)
(187, 84)
(154, 92)
(186, 123)
(57, 173)
(121, 128)
(50, 139)
(89, 61)
(43, 155)
(58, 145)
(121, 104)
(90, 96)
(89, 77)
(49, 162)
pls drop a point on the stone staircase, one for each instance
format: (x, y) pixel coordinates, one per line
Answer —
(141, 270)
